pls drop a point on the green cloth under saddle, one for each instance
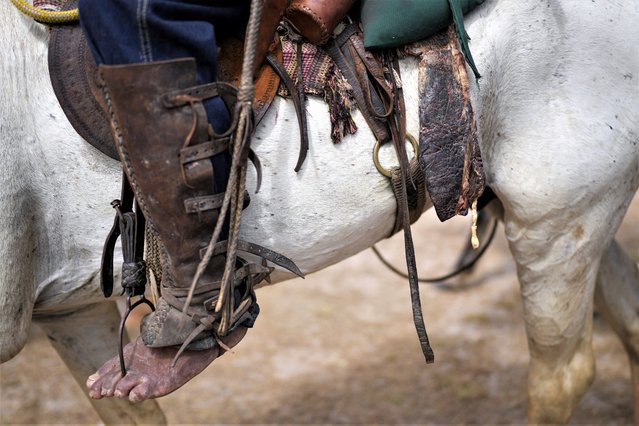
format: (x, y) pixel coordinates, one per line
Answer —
(391, 23)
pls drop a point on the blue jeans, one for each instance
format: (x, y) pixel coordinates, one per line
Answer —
(132, 31)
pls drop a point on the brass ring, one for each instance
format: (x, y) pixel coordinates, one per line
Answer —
(384, 171)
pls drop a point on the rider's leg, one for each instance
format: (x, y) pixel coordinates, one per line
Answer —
(143, 48)
(128, 32)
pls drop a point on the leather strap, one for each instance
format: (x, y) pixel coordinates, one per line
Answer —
(209, 202)
(344, 61)
(128, 224)
(178, 98)
(398, 130)
(298, 97)
(203, 203)
(416, 195)
(260, 251)
(203, 150)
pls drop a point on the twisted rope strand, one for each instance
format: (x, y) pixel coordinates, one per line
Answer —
(233, 198)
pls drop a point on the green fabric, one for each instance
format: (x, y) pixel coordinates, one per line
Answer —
(390, 23)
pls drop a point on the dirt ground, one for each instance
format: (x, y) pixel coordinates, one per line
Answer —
(340, 347)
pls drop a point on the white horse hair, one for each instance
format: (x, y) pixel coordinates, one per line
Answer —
(558, 114)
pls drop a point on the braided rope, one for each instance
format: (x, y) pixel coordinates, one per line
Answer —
(233, 198)
(247, 88)
(46, 16)
(153, 257)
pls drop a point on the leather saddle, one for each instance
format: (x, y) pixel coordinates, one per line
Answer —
(75, 80)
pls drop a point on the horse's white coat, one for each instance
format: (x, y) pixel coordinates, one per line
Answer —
(558, 112)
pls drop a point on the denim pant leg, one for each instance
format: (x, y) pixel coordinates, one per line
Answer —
(132, 31)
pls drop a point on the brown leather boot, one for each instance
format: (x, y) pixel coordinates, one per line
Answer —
(165, 143)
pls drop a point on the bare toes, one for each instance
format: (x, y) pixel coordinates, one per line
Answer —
(141, 392)
(95, 389)
(97, 380)
(92, 379)
(109, 383)
(128, 382)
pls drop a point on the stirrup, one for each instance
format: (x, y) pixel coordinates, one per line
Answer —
(129, 308)
(129, 225)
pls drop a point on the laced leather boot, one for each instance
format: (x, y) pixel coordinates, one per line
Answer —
(166, 144)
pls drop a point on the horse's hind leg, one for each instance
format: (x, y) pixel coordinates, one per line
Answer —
(558, 298)
(85, 339)
(617, 297)
(558, 251)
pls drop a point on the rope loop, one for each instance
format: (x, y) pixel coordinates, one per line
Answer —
(46, 16)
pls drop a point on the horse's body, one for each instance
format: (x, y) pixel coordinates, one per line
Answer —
(558, 116)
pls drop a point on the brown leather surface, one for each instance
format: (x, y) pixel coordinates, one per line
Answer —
(150, 137)
(272, 13)
(316, 19)
(364, 73)
(74, 79)
(266, 80)
(448, 141)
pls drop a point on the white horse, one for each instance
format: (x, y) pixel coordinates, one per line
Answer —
(558, 114)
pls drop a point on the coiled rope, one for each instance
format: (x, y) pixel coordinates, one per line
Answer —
(46, 16)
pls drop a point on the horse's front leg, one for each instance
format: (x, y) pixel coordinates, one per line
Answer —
(85, 339)
(617, 297)
(19, 239)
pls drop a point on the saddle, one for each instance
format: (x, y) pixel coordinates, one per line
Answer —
(75, 81)
(447, 141)
(442, 148)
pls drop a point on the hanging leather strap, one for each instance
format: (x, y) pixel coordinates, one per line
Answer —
(352, 66)
(128, 224)
(298, 97)
(397, 125)
(378, 93)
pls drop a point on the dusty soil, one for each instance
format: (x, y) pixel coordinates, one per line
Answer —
(340, 347)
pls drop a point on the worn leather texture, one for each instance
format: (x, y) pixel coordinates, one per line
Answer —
(316, 19)
(448, 140)
(272, 13)
(267, 81)
(74, 79)
(150, 138)
(164, 140)
(365, 76)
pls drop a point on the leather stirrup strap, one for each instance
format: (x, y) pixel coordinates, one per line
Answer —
(125, 203)
(397, 126)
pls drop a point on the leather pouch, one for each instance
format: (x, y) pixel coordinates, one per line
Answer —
(316, 19)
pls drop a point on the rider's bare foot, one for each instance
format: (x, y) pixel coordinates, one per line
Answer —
(149, 371)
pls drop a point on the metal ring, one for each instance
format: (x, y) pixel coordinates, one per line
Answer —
(383, 170)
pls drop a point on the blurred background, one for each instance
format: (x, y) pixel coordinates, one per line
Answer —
(340, 347)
